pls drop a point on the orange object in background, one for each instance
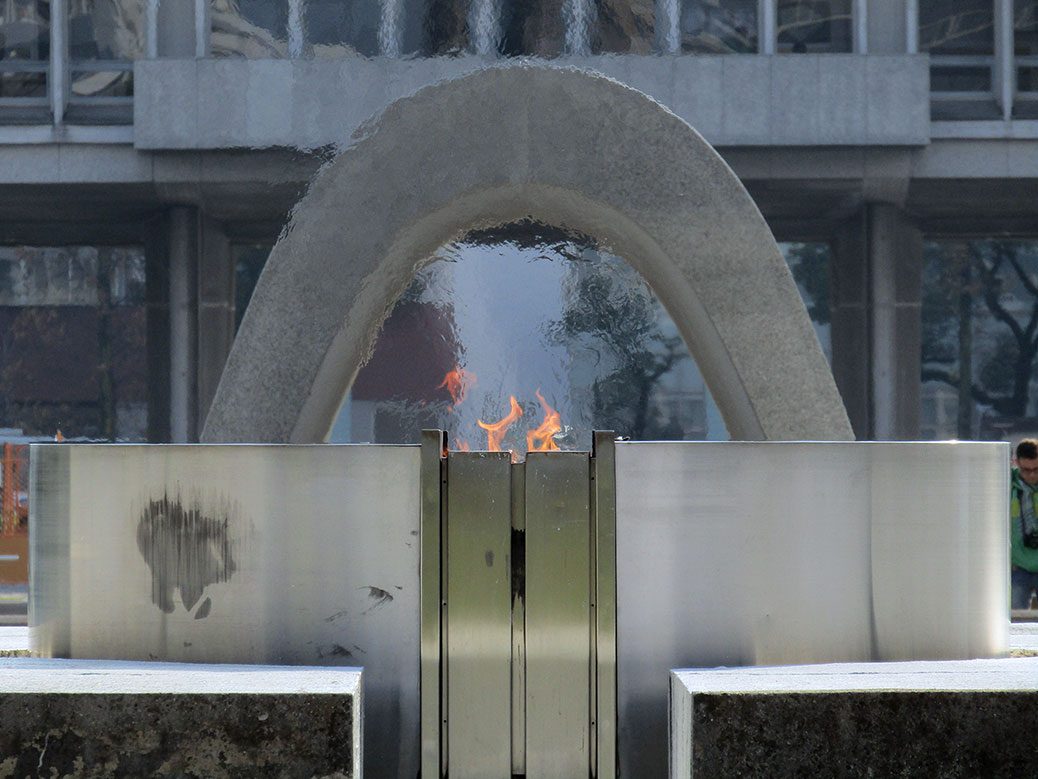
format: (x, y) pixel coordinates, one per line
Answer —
(14, 514)
(14, 488)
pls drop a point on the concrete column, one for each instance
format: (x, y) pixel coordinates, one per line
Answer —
(157, 299)
(895, 255)
(215, 312)
(184, 240)
(876, 322)
(176, 30)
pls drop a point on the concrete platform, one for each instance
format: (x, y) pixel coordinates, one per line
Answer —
(949, 719)
(90, 718)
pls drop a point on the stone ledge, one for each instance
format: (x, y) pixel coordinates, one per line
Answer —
(88, 718)
(948, 719)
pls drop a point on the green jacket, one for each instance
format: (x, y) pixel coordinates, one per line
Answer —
(1023, 556)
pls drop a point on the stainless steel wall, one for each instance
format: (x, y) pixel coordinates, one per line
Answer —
(782, 553)
(246, 554)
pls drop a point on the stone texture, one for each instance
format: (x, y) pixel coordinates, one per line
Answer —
(111, 719)
(563, 146)
(953, 719)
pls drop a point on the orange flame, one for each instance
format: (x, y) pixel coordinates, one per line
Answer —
(458, 382)
(461, 445)
(496, 431)
(540, 439)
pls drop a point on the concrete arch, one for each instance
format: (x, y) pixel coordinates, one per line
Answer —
(563, 146)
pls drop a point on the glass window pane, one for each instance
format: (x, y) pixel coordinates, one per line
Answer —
(624, 27)
(1025, 42)
(719, 26)
(810, 265)
(23, 84)
(813, 26)
(541, 315)
(73, 344)
(25, 30)
(248, 28)
(966, 78)
(106, 29)
(248, 264)
(978, 370)
(535, 28)
(960, 27)
(335, 28)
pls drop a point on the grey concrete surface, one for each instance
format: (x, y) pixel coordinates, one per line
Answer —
(949, 719)
(88, 718)
(831, 99)
(526, 141)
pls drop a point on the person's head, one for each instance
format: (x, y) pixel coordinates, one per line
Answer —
(1027, 460)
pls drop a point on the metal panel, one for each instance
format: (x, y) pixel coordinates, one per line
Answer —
(434, 444)
(292, 555)
(604, 659)
(558, 630)
(479, 616)
(775, 553)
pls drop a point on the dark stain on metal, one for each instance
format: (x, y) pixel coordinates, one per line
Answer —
(380, 596)
(489, 557)
(335, 616)
(204, 609)
(188, 546)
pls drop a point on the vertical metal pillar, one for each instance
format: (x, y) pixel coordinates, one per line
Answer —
(434, 447)
(518, 613)
(558, 619)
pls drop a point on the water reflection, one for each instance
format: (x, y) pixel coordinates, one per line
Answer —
(539, 314)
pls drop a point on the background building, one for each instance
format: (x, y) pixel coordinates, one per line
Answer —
(151, 151)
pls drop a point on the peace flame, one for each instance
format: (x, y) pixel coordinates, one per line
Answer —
(540, 439)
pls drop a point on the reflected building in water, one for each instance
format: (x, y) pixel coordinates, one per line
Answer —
(890, 144)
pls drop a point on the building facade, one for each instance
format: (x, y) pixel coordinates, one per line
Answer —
(151, 151)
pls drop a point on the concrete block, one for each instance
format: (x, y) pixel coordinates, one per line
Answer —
(105, 718)
(268, 90)
(29, 164)
(794, 99)
(897, 89)
(959, 718)
(841, 103)
(222, 103)
(103, 163)
(746, 87)
(165, 103)
(697, 96)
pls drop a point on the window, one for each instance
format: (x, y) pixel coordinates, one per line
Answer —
(719, 26)
(104, 38)
(979, 340)
(73, 342)
(24, 58)
(814, 26)
(1025, 47)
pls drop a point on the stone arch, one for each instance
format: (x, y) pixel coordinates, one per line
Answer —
(559, 145)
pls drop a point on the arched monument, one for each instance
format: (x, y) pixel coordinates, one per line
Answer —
(559, 145)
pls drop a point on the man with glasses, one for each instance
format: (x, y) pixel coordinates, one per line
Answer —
(1023, 531)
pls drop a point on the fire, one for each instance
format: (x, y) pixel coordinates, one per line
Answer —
(458, 382)
(496, 430)
(540, 439)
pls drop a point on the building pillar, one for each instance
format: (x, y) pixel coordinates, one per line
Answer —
(215, 312)
(157, 299)
(184, 241)
(876, 322)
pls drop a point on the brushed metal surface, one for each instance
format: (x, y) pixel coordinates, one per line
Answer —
(297, 555)
(479, 615)
(558, 620)
(787, 553)
(604, 647)
(434, 445)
